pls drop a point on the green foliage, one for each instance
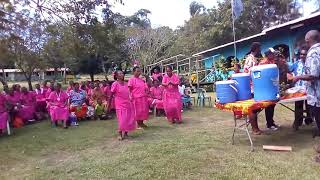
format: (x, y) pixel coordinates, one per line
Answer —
(214, 27)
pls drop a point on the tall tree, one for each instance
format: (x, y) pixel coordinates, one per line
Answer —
(196, 8)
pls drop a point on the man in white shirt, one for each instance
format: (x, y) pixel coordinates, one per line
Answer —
(312, 75)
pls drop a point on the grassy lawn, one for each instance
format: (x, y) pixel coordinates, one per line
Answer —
(198, 149)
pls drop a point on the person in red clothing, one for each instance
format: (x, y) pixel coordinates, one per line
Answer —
(270, 58)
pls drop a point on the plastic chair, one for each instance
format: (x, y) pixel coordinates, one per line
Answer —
(189, 92)
(202, 97)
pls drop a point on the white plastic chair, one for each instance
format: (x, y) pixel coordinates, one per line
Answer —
(202, 97)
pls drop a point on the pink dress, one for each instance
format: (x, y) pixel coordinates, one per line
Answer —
(41, 103)
(155, 76)
(139, 98)
(124, 107)
(156, 97)
(69, 89)
(58, 106)
(27, 110)
(172, 99)
(13, 100)
(107, 92)
(3, 112)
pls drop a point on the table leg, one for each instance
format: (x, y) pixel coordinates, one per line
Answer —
(242, 127)
(248, 133)
(234, 129)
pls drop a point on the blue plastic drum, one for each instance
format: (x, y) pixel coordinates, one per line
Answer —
(226, 92)
(265, 80)
(242, 85)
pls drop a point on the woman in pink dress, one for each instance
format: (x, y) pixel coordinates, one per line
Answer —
(28, 101)
(156, 74)
(40, 94)
(58, 110)
(97, 95)
(14, 100)
(107, 93)
(124, 107)
(70, 88)
(171, 96)
(156, 92)
(17, 90)
(14, 104)
(4, 115)
(139, 94)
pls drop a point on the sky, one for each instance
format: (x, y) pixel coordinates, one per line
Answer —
(170, 13)
(173, 13)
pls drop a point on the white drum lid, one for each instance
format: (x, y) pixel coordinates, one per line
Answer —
(226, 82)
(262, 67)
(241, 75)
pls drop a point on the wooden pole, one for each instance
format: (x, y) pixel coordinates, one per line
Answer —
(197, 72)
(234, 32)
(190, 75)
(177, 64)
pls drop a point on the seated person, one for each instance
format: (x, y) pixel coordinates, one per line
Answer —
(78, 101)
(186, 99)
(156, 92)
(100, 110)
(28, 101)
(236, 68)
(4, 115)
(41, 103)
(97, 94)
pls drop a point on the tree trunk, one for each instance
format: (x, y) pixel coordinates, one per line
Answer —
(92, 77)
(55, 74)
(3, 79)
(65, 74)
(30, 83)
(4, 83)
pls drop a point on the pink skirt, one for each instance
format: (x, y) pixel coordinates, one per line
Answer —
(27, 113)
(59, 113)
(172, 106)
(126, 121)
(3, 120)
(155, 103)
(141, 108)
(41, 106)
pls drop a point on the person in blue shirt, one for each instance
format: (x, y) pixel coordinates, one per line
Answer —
(298, 69)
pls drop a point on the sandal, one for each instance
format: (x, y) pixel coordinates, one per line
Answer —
(257, 132)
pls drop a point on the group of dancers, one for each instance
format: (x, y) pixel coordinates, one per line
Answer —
(130, 100)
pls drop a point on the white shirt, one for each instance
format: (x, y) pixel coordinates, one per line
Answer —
(312, 67)
(181, 89)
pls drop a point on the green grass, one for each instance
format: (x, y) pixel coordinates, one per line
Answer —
(198, 149)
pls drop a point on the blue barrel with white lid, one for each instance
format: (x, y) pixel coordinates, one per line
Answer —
(265, 79)
(243, 85)
(226, 92)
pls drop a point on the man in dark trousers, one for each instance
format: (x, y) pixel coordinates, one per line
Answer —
(312, 75)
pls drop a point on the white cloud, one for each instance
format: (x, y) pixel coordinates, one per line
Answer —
(170, 13)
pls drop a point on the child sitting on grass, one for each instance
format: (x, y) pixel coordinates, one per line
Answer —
(100, 110)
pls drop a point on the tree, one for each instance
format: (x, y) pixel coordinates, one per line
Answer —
(196, 8)
(149, 44)
(27, 45)
(214, 27)
(5, 56)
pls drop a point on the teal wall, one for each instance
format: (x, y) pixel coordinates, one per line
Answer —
(288, 37)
